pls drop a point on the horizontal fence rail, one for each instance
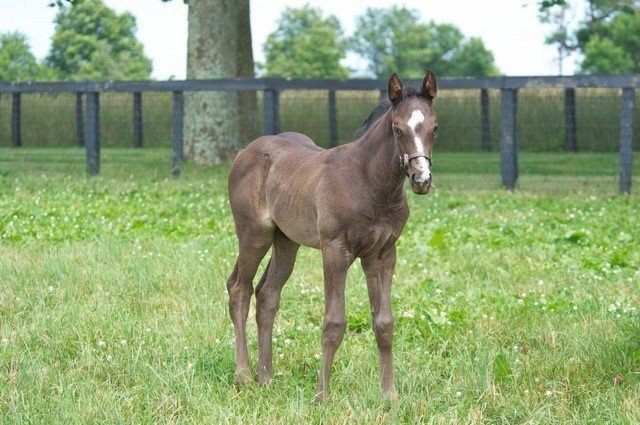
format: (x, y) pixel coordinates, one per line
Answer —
(88, 121)
(615, 81)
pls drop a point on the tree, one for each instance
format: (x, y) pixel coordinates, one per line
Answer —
(381, 33)
(561, 19)
(548, 4)
(247, 100)
(395, 40)
(17, 62)
(608, 37)
(219, 46)
(473, 59)
(613, 47)
(305, 45)
(92, 42)
(602, 56)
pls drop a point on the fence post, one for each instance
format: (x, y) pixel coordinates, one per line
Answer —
(137, 119)
(626, 138)
(333, 125)
(178, 141)
(92, 136)
(571, 144)
(486, 129)
(79, 120)
(383, 95)
(271, 102)
(16, 137)
(509, 138)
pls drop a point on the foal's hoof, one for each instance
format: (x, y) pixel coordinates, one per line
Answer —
(242, 378)
(391, 395)
(319, 397)
(264, 381)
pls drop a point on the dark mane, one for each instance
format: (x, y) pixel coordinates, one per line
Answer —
(409, 92)
(377, 112)
(374, 116)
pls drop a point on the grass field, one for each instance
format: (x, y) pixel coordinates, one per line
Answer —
(515, 307)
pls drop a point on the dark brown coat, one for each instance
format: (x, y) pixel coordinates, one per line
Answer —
(348, 201)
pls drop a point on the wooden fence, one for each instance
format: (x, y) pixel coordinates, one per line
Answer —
(88, 121)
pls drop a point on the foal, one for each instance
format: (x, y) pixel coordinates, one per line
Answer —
(348, 201)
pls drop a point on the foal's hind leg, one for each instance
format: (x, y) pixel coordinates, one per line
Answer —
(283, 257)
(253, 245)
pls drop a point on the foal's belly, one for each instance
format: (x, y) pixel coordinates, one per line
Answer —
(296, 219)
(290, 197)
(304, 235)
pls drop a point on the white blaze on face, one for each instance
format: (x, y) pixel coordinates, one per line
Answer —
(421, 165)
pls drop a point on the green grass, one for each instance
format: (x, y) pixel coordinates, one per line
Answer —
(515, 307)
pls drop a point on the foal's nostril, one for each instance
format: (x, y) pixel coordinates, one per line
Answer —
(421, 179)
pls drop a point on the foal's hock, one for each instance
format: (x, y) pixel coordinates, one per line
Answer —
(348, 201)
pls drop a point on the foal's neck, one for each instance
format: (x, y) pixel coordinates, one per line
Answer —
(382, 164)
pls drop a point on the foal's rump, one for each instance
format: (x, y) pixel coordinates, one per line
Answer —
(299, 138)
(273, 177)
(262, 153)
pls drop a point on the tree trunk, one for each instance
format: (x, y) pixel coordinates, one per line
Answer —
(212, 119)
(248, 102)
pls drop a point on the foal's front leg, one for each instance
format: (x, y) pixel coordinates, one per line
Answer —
(378, 270)
(336, 261)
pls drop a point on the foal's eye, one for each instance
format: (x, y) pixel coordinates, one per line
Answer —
(397, 131)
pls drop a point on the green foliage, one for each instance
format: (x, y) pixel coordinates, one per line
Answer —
(608, 37)
(473, 59)
(61, 3)
(17, 62)
(603, 56)
(395, 40)
(614, 49)
(546, 4)
(93, 42)
(501, 368)
(305, 45)
(382, 33)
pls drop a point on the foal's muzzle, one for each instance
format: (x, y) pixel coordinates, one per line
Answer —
(420, 186)
(419, 175)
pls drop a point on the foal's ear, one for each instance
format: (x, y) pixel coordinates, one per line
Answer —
(394, 89)
(429, 88)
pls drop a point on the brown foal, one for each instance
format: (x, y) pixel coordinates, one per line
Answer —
(348, 201)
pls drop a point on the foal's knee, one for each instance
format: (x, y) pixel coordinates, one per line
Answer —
(383, 328)
(333, 331)
(239, 295)
(268, 302)
(233, 278)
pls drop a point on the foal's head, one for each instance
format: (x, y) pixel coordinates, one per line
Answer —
(414, 125)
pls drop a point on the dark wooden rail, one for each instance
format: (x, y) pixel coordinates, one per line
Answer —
(88, 123)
